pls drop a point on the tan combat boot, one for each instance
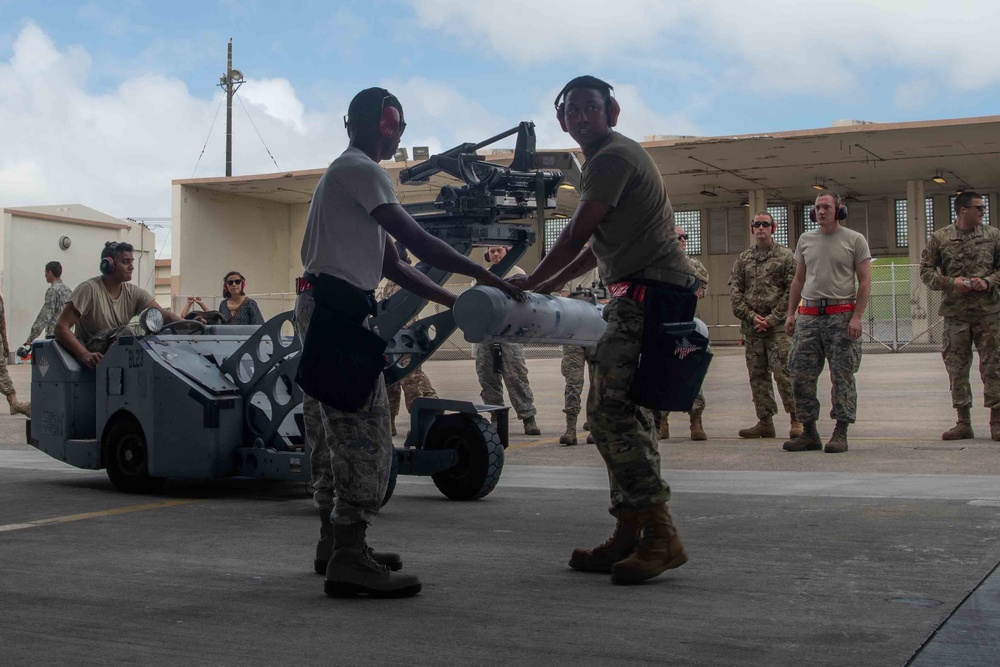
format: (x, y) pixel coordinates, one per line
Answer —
(615, 548)
(808, 440)
(324, 548)
(994, 423)
(659, 549)
(17, 407)
(663, 431)
(697, 430)
(795, 429)
(962, 430)
(763, 429)
(352, 571)
(531, 427)
(569, 437)
(838, 441)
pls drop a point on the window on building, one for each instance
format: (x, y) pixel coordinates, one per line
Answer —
(553, 228)
(929, 215)
(690, 222)
(807, 224)
(902, 231)
(986, 215)
(780, 216)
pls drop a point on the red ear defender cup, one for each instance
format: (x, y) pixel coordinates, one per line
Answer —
(613, 110)
(388, 125)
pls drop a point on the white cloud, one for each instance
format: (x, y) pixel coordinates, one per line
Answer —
(277, 98)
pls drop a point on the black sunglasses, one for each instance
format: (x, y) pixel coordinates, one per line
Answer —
(981, 209)
(234, 282)
(760, 223)
(682, 237)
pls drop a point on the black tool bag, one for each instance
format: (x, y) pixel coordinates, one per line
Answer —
(674, 357)
(341, 359)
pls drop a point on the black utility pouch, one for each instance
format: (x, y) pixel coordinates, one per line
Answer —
(674, 357)
(341, 360)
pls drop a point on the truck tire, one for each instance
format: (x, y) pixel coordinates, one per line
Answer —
(126, 458)
(480, 455)
(393, 473)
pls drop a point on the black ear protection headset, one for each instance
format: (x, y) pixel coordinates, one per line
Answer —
(841, 209)
(611, 107)
(390, 121)
(108, 257)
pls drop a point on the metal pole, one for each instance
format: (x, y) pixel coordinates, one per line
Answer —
(895, 319)
(229, 110)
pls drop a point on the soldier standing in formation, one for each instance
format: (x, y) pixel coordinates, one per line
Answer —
(6, 385)
(828, 323)
(513, 370)
(758, 292)
(575, 359)
(963, 261)
(416, 384)
(56, 297)
(697, 428)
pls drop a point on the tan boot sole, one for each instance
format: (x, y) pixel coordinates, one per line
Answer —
(622, 576)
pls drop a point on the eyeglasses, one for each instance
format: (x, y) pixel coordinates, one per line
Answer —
(682, 237)
(234, 282)
(981, 209)
(760, 223)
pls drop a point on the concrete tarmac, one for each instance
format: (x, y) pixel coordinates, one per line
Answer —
(873, 557)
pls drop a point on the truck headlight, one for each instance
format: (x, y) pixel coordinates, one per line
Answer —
(151, 320)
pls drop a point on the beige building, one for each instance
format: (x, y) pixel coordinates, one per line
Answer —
(161, 282)
(897, 179)
(74, 235)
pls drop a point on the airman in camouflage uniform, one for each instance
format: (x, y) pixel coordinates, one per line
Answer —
(416, 384)
(623, 225)
(513, 370)
(758, 293)
(576, 359)
(963, 261)
(56, 297)
(6, 385)
(698, 408)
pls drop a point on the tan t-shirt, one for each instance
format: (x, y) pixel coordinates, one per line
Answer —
(99, 312)
(830, 261)
(638, 233)
(587, 281)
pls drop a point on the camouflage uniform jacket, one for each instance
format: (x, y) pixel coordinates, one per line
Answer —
(974, 254)
(760, 284)
(56, 298)
(3, 330)
(702, 274)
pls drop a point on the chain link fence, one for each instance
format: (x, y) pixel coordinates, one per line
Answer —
(902, 315)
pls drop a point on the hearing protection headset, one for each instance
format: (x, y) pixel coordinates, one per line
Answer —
(611, 108)
(108, 257)
(390, 122)
(841, 209)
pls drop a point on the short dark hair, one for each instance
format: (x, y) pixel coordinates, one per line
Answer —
(591, 83)
(225, 290)
(963, 198)
(365, 110)
(116, 248)
(768, 214)
(55, 268)
(829, 193)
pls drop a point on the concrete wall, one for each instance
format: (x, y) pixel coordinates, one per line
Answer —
(30, 238)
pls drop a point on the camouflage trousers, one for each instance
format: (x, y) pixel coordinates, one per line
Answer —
(514, 374)
(623, 431)
(6, 386)
(767, 355)
(959, 336)
(574, 360)
(413, 386)
(819, 338)
(351, 452)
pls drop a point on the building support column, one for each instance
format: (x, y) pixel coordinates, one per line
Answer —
(921, 317)
(758, 202)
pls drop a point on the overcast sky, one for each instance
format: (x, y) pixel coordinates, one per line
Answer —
(104, 103)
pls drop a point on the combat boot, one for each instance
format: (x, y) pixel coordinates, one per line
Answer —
(586, 425)
(590, 439)
(17, 407)
(531, 427)
(962, 430)
(569, 437)
(763, 429)
(697, 430)
(995, 423)
(352, 571)
(324, 548)
(808, 440)
(795, 430)
(615, 548)
(659, 549)
(838, 441)
(663, 431)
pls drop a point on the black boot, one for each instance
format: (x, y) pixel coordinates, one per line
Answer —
(324, 548)
(808, 441)
(351, 570)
